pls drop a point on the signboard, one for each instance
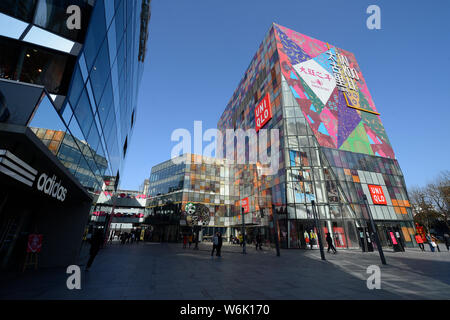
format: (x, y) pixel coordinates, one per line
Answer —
(263, 112)
(34, 243)
(245, 205)
(394, 241)
(317, 78)
(377, 194)
(190, 208)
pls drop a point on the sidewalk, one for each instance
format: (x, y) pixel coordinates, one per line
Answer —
(167, 271)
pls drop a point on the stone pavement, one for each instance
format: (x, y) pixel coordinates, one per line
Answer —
(169, 272)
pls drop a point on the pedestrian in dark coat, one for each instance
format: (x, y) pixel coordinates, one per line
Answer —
(330, 243)
(96, 243)
(258, 241)
(447, 241)
(219, 243)
(215, 241)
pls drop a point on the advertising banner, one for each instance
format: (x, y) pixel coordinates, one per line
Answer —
(245, 205)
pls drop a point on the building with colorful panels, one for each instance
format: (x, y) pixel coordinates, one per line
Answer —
(333, 147)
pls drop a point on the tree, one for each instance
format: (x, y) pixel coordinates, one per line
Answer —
(438, 194)
(431, 202)
(425, 214)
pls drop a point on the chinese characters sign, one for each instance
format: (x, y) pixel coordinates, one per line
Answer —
(344, 75)
(263, 112)
(377, 194)
(317, 78)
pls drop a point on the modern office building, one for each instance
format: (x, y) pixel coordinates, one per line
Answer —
(333, 146)
(188, 179)
(71, 69)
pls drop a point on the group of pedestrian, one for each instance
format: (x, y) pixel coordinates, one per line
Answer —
(128, 237)
(187, 239)
(234, 240)
(432, 242)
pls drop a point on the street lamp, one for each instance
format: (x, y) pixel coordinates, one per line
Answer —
(243, 232)
(375, 232)
(275, 226)
(319, 234)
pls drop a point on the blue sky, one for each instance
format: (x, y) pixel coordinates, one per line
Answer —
(198, 50)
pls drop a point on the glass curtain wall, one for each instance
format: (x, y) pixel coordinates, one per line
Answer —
(309, 177)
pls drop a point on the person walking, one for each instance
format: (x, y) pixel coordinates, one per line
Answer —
(258, 241)
(219, 244)
(429, 241)
(419, 241)
(215, 241)
(96, 243)
(185, 240)
(330, 243)
(311, 239)
(435, 241)
(447, 241)
(190, 240)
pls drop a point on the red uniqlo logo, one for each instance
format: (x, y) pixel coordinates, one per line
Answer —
(377, 194)
(263, 112)
(244, 204)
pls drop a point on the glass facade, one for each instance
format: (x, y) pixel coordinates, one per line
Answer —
(197, 179)
(332, 146)
(93, 86)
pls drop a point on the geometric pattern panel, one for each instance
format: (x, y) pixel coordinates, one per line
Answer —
(330, 89)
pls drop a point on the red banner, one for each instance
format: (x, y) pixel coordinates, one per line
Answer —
(245, 205)
(377, 194)
(263, 112)
(34, 243)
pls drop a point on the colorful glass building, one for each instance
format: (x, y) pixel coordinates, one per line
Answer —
(333, 147)
(187, 179)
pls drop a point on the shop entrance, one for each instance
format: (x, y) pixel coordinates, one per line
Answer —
(395, 237)
(365, 240)
(302, 234)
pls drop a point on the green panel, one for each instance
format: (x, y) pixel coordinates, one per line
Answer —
(358, 141)
(318, 105)
(374, 122)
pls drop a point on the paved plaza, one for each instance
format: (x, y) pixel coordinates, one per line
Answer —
(167, 271)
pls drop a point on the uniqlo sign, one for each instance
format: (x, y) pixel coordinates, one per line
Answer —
(377, 194)
(245, 205)
(263, 112)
